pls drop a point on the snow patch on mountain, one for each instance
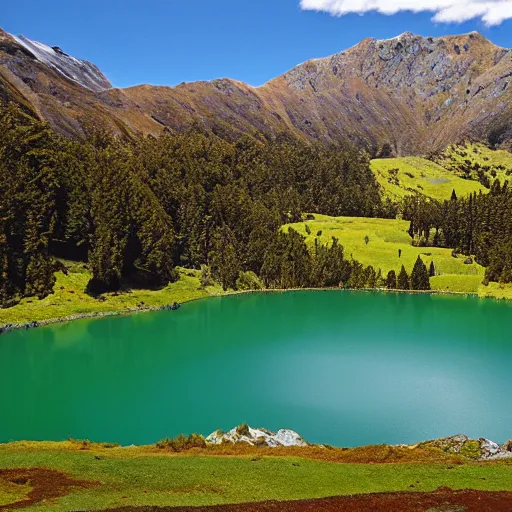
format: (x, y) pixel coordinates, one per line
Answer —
(84, 73)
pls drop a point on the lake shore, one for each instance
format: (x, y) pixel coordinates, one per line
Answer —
(9, 327)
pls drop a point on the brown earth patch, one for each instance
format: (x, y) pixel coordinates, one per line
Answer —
(44, 484)
(441, 500)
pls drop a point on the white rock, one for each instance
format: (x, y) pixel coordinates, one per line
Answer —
(256, 437)
(489, 448)
(289, 438)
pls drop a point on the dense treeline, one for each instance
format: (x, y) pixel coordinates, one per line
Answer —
(137, 209)
(479, 225)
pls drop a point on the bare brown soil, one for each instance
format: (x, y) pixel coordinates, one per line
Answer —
(45, 484)
(442, 500)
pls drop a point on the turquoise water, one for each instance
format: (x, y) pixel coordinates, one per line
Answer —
(344, 368)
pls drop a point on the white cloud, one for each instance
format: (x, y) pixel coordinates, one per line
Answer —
(492, 12)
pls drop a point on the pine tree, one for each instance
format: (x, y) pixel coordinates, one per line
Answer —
(370, 277)
(4, 268)
(432, 270)
(419, 276)
(391, 280)
(403, 280)
(223, 258)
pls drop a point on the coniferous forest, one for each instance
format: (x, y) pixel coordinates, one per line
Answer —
(134, 209)
(480, 224)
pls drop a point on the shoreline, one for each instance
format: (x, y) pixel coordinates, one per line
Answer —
(234, 442)
(10, 327)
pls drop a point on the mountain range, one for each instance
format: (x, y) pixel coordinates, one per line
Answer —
(408, 95)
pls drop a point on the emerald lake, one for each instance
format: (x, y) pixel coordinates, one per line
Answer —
(344, 368)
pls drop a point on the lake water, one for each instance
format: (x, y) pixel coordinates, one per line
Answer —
(344, 368)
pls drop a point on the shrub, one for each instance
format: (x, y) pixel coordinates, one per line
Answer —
(471, 450)
(206, 276)
(243, 430)
(85, 444)
(182, 443)
(248, 281)
(96, 287)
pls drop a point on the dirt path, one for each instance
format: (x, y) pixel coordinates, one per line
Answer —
(45, 484)
(442, 500)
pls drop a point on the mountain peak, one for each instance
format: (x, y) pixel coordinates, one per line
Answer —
(415, 93)
(80, 71)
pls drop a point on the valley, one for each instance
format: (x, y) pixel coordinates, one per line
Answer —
(413, 176)
(331, 236)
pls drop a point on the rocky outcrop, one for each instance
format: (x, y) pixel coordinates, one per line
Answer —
(458, 445)
(256, 437)
(13, 327)
(478, 449)
(170, 307)
(80, 71)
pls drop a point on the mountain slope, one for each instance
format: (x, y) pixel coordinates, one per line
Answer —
(403, 96)
(82, 72)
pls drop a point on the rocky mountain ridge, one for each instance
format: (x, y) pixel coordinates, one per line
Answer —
(80, 71)
(402, 96)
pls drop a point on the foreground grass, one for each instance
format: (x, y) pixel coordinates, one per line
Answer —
(69, 299)
(127, 477)
(400, 177)
(10, 493)
(386, 238)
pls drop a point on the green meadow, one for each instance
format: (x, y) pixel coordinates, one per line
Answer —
(126, 479)
(386, 238)
(400, 177)
(69, 299)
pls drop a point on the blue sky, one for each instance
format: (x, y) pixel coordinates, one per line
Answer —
(170, 41)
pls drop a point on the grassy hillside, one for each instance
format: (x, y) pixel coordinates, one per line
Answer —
(95, 480)
(466, 160)
(70, 300)
(387, 237)
(399, 177)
